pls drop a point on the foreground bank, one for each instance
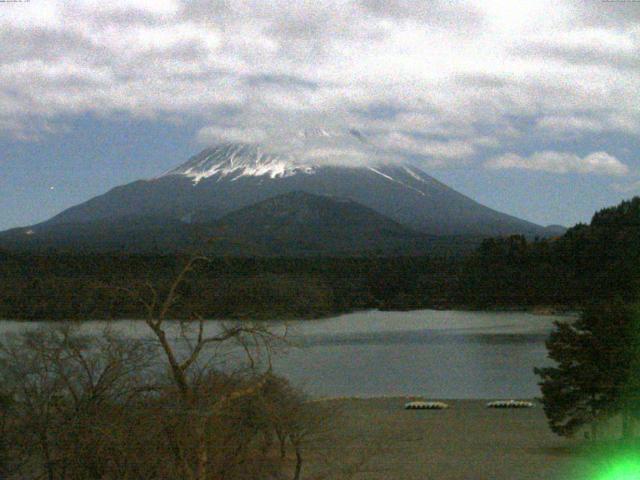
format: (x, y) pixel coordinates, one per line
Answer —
(381, 440)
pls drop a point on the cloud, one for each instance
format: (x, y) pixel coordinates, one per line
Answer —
(326, 145)
(337, 142)
(441, 81)
(436, 151)
(570, 123)
(216, 134)
(632, 187)
(561, 162)
(588, 46)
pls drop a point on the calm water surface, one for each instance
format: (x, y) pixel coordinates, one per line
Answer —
(436, 354)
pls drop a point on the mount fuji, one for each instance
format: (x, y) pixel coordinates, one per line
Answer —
(231, 177)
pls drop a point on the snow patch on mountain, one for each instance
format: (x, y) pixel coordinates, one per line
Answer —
(413, 174)
(280, 155)
(381, 174)
(396, 181)
(233, 161)
(237, 161)
(418, 176)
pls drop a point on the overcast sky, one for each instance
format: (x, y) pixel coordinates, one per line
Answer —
(530, 107)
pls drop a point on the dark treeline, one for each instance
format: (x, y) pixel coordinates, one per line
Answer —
(62, 286)
(588, 263)
(600, 260)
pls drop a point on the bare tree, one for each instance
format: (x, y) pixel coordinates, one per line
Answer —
(6, 404)
(62, 385)
(187, 371)
(97, 407)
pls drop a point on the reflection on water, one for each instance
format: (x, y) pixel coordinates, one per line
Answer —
(436, 354)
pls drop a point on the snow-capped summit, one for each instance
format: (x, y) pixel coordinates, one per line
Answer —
(282, 156)
(239, 160)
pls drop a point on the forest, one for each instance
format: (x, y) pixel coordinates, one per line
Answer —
(599, 260)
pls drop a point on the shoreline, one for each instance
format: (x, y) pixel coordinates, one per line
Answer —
(406, 398)
(540, 310)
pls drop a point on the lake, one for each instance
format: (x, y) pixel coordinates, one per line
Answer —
(429, 353)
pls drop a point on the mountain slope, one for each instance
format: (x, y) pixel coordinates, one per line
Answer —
(293, 224)
(301, 223)
(227, 177)
(137, 234)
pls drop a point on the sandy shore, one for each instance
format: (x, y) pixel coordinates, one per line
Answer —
(381, 440)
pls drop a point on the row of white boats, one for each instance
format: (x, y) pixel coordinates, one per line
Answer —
(422, 405)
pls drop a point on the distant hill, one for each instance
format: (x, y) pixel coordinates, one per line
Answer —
(554, 231)
(300, 223)
(133, 234)
(292, 224)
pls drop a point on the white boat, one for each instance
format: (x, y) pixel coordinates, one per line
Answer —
(421, 405)
(510, 404)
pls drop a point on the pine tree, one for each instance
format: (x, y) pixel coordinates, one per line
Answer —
(594, 358)
(630, 395)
